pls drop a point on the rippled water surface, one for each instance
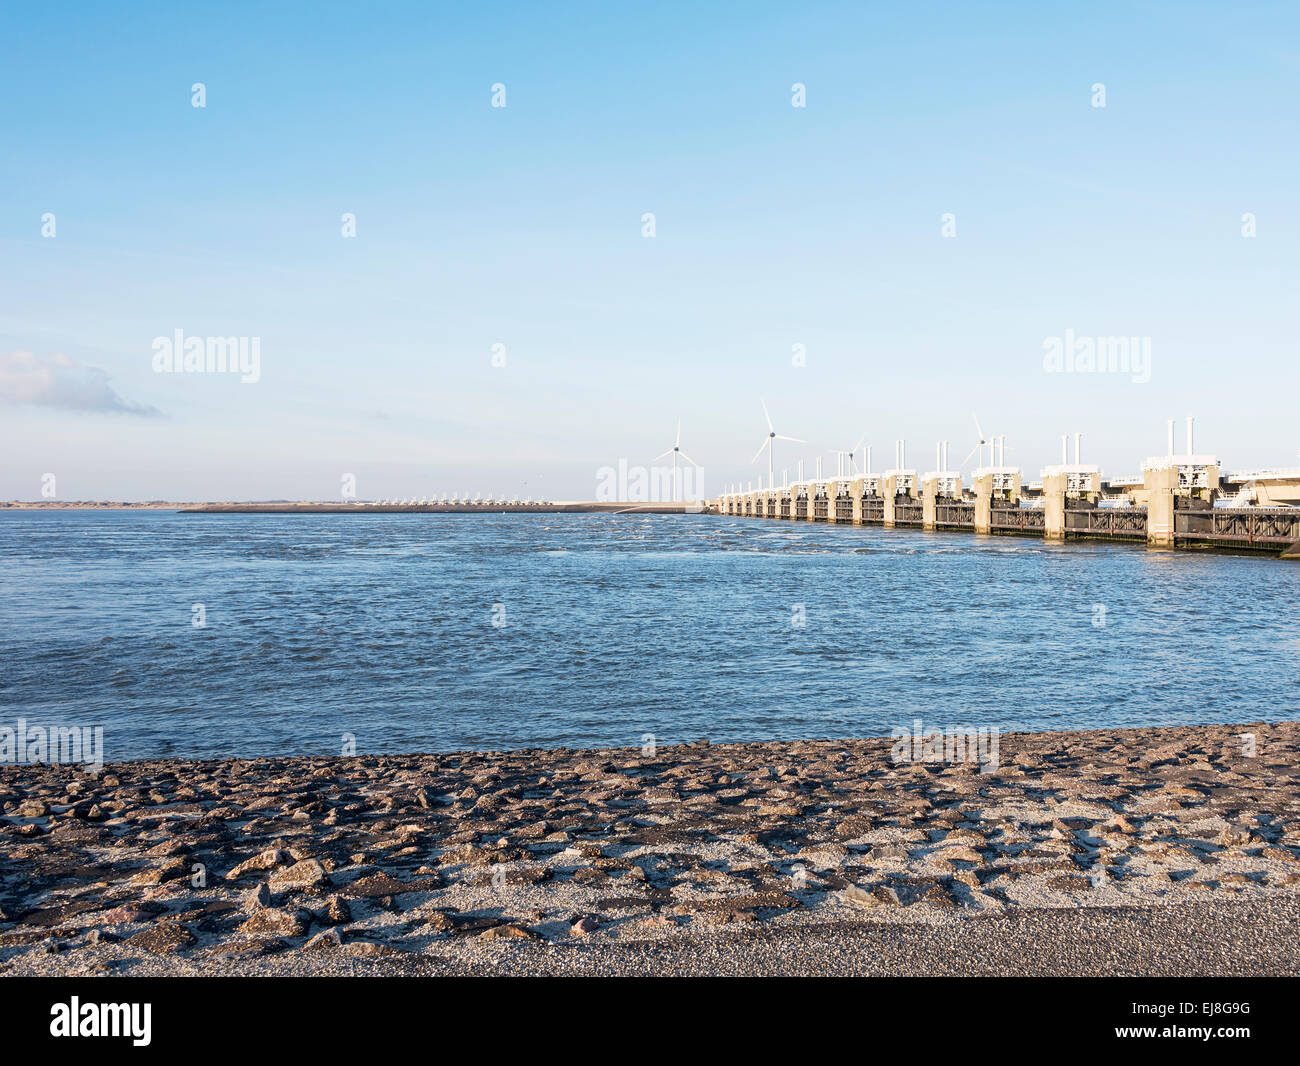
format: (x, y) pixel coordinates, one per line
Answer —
(611, 627)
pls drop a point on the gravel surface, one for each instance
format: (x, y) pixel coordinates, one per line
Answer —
(1172, 850)
(1221, 938)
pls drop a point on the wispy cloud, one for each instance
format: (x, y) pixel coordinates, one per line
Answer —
(57, 381)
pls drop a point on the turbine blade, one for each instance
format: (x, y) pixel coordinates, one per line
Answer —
(687, 458)
(766, 442)
(970, 453)
(794, 440)
(679, 432)
(766, 415)
(860, 443)
(978, 429)
(661, 455)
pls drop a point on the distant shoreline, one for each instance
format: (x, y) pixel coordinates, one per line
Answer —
(308, 507)
(89, 505)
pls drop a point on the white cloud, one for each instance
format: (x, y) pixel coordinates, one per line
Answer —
(57, 381)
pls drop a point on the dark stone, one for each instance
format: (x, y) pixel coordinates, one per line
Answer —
(165, 938)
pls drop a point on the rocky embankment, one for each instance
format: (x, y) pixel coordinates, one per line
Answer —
(211, 864)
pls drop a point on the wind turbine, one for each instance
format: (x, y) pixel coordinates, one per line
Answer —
(675, 451)
(979, 446)
(849, 454)
(772, 435)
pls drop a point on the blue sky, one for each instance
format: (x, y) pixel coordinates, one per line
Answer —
(775, 226)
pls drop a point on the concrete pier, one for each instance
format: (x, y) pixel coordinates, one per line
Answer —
(897, 487)
(1160, 486)
(1172, 483)
(937, 486)
(1171, 506)
(1062, 486)
(1001, 484)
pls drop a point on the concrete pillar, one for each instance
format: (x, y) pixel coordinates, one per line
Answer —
(929, 503)
(812, 501)
(1054, 506)
(889, 490)
(1161, 486)
(984, 504)
(855, 495)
